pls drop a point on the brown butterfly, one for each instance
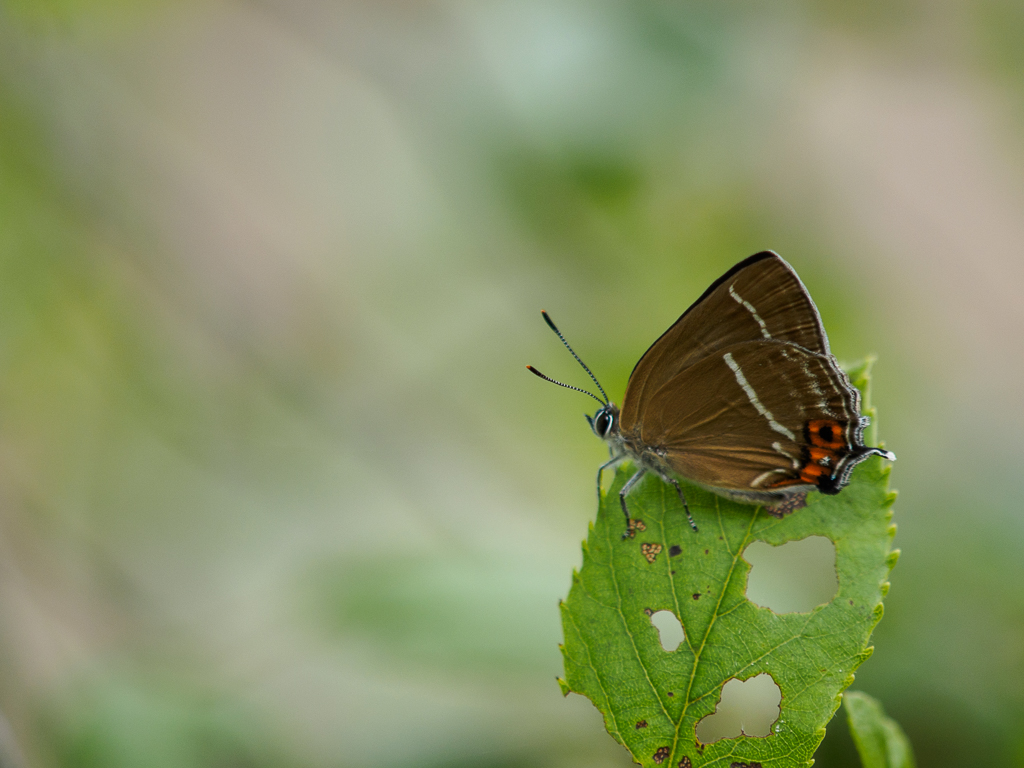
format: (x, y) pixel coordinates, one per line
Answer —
(741, 396)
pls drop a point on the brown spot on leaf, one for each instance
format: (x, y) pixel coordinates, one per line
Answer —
(788, 505)
(851, 602)
(744, 765)
(634, 526)
(648, 611)
(650, 551)
(685, 762)
(670, 693)
(705, 551)
(674, 550)
(661, 754)
(696, 595)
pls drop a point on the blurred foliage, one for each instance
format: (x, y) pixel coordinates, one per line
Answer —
(879, 739)
(42, 16)
(998, 26)
(406, 608)
(131, 723)
(268, 276)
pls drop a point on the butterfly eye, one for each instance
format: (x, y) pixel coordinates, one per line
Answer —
(602, 423)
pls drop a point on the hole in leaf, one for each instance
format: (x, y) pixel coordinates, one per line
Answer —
(793, 578)
(747, 708)
(670, 631)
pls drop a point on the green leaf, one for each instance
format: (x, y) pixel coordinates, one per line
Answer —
(880, 741)
(652, 699)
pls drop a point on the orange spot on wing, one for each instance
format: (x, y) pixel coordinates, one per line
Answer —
(817, 454)
(811, 473)
(827, 433)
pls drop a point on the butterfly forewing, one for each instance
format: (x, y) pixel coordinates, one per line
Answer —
(760, 416)
(759, 299)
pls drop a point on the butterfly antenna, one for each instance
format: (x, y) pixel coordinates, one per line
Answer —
(551, 325)
(535, 372)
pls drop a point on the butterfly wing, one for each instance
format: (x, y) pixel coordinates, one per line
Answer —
(761, 298)
(798, 426)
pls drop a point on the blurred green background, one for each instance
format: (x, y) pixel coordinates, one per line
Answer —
(275, 487)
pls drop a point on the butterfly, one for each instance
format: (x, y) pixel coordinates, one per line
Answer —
(740, 396)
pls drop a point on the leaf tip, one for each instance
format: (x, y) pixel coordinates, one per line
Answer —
(876, 614)
(885, 588)
(892, 558)
(563, 686)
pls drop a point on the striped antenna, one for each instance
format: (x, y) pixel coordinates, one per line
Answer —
(553, 327)
(535, 372)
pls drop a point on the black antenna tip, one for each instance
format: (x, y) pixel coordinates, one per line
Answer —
(547, 319)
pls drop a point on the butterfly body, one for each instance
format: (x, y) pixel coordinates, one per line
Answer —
(741, 396)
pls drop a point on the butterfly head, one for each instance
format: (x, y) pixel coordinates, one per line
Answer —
(605, 422)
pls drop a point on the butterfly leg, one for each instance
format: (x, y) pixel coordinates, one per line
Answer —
(630, 525)
(682, 498)
(610, 463)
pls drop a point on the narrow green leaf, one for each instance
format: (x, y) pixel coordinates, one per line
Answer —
(652, 699)
(880, 741)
